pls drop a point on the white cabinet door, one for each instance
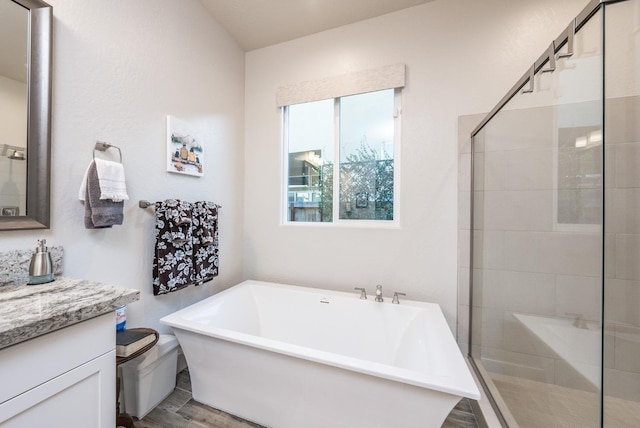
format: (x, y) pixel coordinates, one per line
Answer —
(82, 397)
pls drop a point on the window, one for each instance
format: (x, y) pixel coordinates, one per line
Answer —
(341, 158)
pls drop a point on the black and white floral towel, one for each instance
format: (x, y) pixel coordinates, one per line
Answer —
(173, 256)
(186, 244)
(205, 241)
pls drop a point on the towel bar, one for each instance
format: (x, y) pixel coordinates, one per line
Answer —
(146, 204)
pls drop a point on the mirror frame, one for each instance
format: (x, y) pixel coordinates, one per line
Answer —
(38, 120)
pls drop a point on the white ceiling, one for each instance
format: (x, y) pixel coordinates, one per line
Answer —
(259, 23)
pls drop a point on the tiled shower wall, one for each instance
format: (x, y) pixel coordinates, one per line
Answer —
(530, 265)
(622, 248)
(466, 124)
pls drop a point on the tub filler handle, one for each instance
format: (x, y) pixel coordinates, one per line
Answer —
(363, 293)
(395, 297)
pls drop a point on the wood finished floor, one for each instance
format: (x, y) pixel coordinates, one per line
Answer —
(179, 410)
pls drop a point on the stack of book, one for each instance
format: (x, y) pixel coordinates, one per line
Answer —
(130, 341)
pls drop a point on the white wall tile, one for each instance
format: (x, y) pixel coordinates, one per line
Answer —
(487, 327)
(622, 301)
(627, 348)
(622, 208)
(489, 249)
(529, 169)
(463, 286)
(621, 119)
(610, 255)
(478, 210)
(531, 293)
(571, 253)
(479, 178)
(524, 210)
(621, 384)
(578, 295)
(464, 247)
(609, 163)
(609, 351)
(627, 158)
(464, 210)
(478, 287)
(490, 292)
(495, 174)
(462, 329)
(627, 248)
(526, 366)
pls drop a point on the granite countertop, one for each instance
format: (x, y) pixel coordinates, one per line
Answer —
(28, 311)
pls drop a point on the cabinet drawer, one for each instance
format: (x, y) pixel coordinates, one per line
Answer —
(76, 398)
(31, 363)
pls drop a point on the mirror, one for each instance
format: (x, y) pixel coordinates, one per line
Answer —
(25, 120)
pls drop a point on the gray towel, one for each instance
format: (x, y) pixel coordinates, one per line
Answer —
(100, 213)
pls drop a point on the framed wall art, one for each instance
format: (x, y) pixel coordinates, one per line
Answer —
(185, 153)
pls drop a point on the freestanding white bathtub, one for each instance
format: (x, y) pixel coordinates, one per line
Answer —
(291, 357)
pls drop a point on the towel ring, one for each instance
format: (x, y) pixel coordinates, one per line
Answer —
(102, 146)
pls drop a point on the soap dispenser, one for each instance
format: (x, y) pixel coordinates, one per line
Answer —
(41, 266)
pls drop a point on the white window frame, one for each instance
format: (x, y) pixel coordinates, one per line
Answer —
(337, 221)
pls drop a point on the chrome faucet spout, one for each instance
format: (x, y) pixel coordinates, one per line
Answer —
(363, 293)
(379, 293)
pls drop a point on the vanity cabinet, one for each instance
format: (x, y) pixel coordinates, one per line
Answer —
(65, 378)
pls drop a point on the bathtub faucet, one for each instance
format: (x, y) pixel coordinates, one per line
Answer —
(396, 300)
(579, 321)
(363, 293)
(379, 293)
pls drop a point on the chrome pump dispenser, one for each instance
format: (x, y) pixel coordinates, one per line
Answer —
(41, 266)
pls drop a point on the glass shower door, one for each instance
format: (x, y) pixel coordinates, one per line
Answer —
(622, 221)
(537, 244)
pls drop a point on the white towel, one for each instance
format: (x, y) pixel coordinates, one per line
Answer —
(83, 186)
(112, 181)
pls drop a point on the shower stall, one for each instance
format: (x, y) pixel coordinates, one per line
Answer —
(555, 232)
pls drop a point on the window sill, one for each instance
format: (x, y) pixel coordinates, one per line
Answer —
(346, 224)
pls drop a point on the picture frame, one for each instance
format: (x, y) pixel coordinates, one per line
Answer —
(185, 152)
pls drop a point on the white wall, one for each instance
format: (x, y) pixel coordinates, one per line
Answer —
(462, 56)
(119, 68)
